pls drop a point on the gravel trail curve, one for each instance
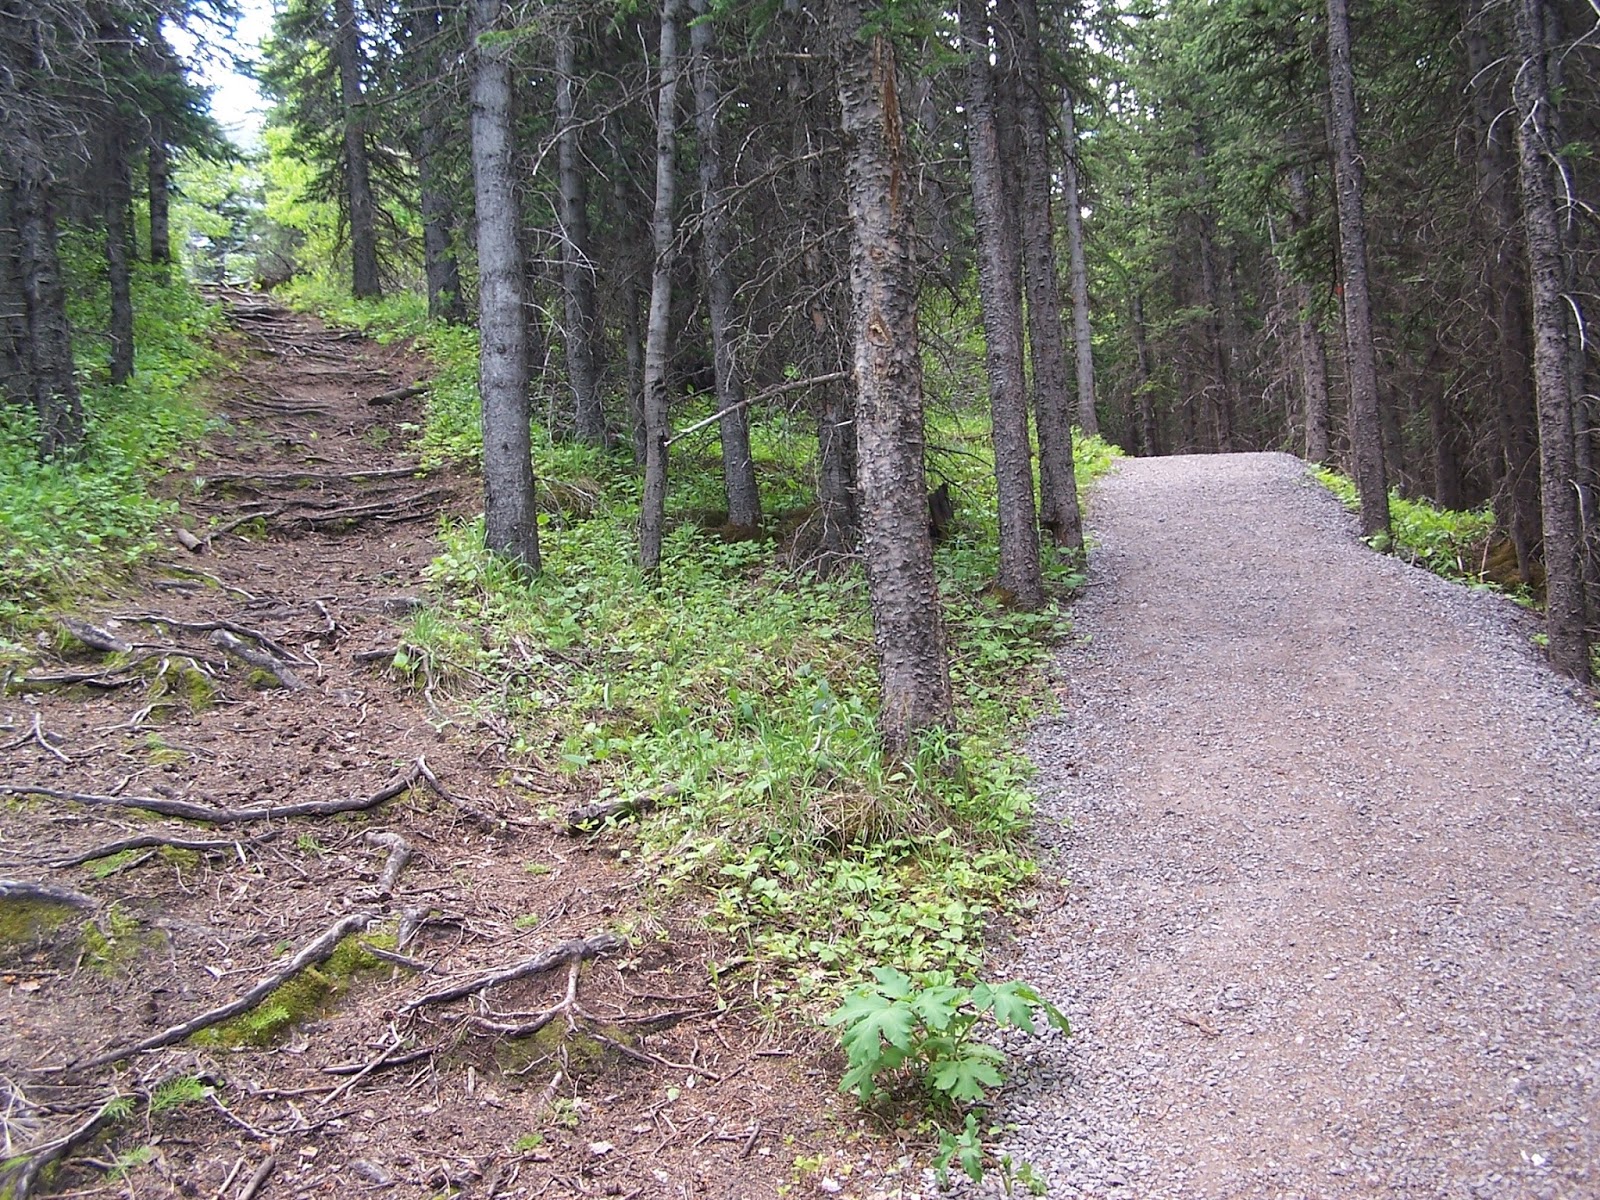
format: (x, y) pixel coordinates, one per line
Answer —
(1328, 833)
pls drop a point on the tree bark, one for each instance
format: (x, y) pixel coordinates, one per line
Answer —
(1536, 151)
(1078, 271)
(1058, 482)
(577, 267)
(738, 468)
(158, 170)
(1313, 350)
(358, 171)
(117, 199)
(907, 621)
(511, 525)
(48, 345)
(999, 291)
(1366, 427)
(652, 517)
(1149, 424)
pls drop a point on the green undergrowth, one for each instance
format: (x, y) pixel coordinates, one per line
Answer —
(67, 522)
(739, 691)
(1444, 541)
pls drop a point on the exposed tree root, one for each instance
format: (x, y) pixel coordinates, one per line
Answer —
(31, 1169)
(44, 893)
(260, 659)
(149, 841)
(312, 954)
(572, 951)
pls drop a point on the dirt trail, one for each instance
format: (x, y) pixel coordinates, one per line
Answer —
(1329, 835)
(316, 527)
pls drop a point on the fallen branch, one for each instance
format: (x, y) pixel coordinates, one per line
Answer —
(394, 395)
(589, 817)
(41, 1160)
(794, 385)
(313, 954)
(146, 841)
(259, 1178)
(574, 950)
(280, 670)
(187, 810)
(217, 531)
(399, 855)
(255, 635)
(42, 893)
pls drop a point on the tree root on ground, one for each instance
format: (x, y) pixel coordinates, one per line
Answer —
(573, 951)
(148, 841)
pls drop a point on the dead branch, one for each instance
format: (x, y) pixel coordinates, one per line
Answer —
(39, 735)
(41, 1160)
(148, 841)
(187, 810)
(260, 659)
(394, 395)
(93, 636)
(255, 635)
(258, 1179)
(399, 855)
(371, 1065)
(43, 893)
(313, 954)
(589, 817)
(574, 950)
(217, 531)
(794, 385)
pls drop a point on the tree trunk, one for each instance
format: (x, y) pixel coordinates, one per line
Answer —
(999, 291)
(652, 517)
(511, 526)
(440, 266)
(1082, 335)
(577, 267)
(907, 622)
(160, 199)
(117, 198)
(1149, 425)
(1536, 150)
(1221, 389)
(1058, 483)
(1366, 426)
(358, 171)
(48, 345)
(738, 468)
(1313, 351)
(1442, 431)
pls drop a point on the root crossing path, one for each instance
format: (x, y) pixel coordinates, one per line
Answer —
(1327, 834)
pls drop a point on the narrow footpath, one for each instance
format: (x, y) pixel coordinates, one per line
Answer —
(1327, 827)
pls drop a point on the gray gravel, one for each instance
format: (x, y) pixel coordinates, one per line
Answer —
(1329, 922)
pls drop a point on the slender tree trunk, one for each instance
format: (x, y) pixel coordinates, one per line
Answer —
(907, 622)
(1058, 483)
(999, 290)
(1149, 424)
(117, 198)
(1078, 270)
(1313, 351)
(1564, 587)
(440, 266)
(1366, 426)
(160, 199)
(577, 267)
(652, 518)
(511, 525)
(1221, 389)
(48, 344)
(358, 171)
(738, 468)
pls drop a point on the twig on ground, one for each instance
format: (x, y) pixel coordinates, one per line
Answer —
(147, 841)
(574, 950)
(189, 811)
(43, 738)
(372, 1064)
(312, 954)
(217, 531)
(259, 1178)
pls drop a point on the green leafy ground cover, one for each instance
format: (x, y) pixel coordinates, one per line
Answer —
(68, 521)
(738, 692)
(1447, 543)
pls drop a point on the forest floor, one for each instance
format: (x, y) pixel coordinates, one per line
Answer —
(1328, 836)
(248, 673)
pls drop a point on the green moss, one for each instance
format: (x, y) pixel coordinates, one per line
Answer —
(110, 945)
(310, 993)
(186, 859)
(23, 922)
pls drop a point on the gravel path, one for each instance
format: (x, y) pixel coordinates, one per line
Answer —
(1331, 917)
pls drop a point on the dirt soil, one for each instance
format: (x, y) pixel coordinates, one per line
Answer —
(1328, 831)
(250, 673)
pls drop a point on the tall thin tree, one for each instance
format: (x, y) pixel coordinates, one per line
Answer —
(365, 282)
(577, 266)
(1077, 269)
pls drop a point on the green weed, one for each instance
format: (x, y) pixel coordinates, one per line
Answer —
(1445, 542)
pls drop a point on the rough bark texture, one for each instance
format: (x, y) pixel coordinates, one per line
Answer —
(47, 347)
(1078, 271)
(907, 622)
(1366, 428)
(511, 523)
(1149, 423)
(577, 268)
(652, 517)
(160, 199)
(999, 291)
(1564, 587)
(1058, 483)
(117, 199)
(738, 468)
(358, 172)
(1506, 304)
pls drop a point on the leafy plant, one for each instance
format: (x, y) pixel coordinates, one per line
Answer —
(922, 1031)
